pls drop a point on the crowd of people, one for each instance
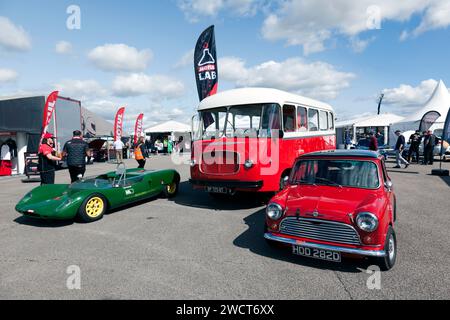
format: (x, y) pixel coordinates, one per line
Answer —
(429, 141)
(76, 152)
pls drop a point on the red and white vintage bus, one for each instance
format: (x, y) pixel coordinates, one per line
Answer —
(248, 139)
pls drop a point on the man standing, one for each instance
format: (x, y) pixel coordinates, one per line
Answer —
(348, 141)
(373, 142)
(75, 151)
(399, 147)
(414, 144)
(429, 142)
(47, 160)
(118, 146)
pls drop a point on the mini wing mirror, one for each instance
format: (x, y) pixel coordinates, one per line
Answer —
(285, 181)
(388, 185)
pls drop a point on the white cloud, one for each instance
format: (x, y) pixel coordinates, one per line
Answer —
(120, 57)
(103, 107)
(158, 86)
(193, 9)
(408, 96)
(436, 16)
(13, 37)
(80, 89)
(186, 60)
(359, 45)
(63, 47)
(8, 75)
(311, 23)
(318, 80)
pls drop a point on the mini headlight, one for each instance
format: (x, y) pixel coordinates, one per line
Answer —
(193, 163)
(367, 221)
(274, 211)
(248, 164)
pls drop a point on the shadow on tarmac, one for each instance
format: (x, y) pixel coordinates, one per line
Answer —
(43, 223)
(253, 240)
(189, 197)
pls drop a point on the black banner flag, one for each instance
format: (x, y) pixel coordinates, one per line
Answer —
(446, 133)
(428, 120)
(205, 64)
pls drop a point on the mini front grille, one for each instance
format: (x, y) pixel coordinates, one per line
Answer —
(320, 230)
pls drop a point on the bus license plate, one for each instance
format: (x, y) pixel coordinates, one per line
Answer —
(222, 190)
(317, 253)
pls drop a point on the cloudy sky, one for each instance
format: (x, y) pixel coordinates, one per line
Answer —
(139, 53)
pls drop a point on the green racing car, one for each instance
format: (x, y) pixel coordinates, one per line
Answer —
(88, 199)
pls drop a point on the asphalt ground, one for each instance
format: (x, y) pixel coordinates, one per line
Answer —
(196, 247)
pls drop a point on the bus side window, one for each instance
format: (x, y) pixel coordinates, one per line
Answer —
(323, 120)
(289, 118)
(313, 120)
(302, 119)
(330, 121)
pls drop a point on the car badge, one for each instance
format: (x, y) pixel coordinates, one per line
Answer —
(315, 214)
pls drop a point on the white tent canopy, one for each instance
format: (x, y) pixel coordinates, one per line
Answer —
(439, 101)
(169, 126)
(380, 120)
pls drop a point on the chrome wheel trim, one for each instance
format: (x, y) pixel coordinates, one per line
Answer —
(391, 248)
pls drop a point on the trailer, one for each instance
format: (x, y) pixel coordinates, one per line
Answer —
(21, 122)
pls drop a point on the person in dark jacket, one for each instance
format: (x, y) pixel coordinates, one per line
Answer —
(47, 160)
(373, 142)
(75, 151)
(429, 142)
(414, 144)
(399, 147)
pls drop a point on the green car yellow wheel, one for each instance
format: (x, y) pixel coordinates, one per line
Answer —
(171, 189)
(92, 208)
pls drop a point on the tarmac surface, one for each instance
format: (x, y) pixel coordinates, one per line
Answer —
(196, 247)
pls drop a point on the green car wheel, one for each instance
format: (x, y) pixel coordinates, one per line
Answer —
(171, 189)
(93, 208)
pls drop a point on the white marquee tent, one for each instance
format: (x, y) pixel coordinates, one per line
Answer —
(381, 122)
(169, 127)
(439, 101)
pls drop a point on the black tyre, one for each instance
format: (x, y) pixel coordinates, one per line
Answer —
(93, 208)
(390, 248)
(170, 190)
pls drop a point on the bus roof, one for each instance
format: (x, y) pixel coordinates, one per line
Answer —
(246, 96)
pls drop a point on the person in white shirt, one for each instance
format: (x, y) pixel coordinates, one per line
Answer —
(118, 146)
(5, 153)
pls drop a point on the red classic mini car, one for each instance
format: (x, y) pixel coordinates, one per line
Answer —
(336, 203)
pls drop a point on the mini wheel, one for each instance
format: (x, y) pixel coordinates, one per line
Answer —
(93, 208)
(390, 248)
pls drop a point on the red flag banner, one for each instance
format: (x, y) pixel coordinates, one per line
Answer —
(138, 127)
(49, 107)
(205, 64)
(118, 124)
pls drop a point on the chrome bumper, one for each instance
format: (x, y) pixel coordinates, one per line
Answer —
(368, 253)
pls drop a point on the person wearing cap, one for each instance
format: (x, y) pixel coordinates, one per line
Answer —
(414, 144)
(47, 160)
(429, 142)
(75, 151)
(373, 141)
(399, 147)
